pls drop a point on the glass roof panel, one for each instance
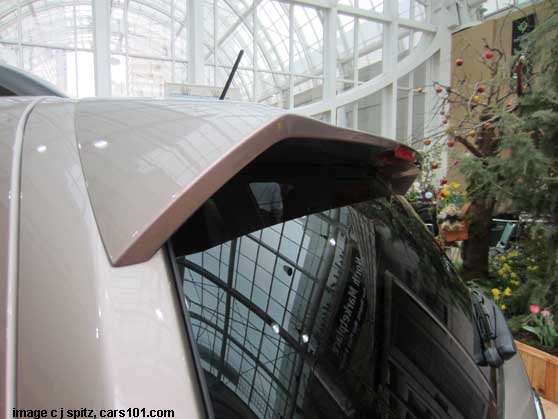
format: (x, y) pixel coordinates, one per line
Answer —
(147, 77)
(9, 54)
(209, 31)
(180, 41)
(149, 29)
(51, 65)
(48, 23)
(117, 26)
(308, 40)
(273, 89)
(8, 20)
(272, 35)
(234, 32)
(84, 26)
(490, 6)
(8, 6)
(375, 5)
(307, 90)
(404, 8)
(345, 46)
(370, 42)
(420, 11)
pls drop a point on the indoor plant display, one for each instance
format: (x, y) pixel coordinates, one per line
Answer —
(453, 226)
(541, 366)
(543, 324)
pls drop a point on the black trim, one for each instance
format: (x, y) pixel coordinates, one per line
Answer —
(190, 333)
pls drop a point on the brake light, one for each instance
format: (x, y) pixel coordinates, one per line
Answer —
(405, 153)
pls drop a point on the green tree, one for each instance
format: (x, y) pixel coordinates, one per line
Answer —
(507, 124)
(519, 163)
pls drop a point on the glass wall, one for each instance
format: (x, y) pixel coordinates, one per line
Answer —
(51, 39)
(297, 54)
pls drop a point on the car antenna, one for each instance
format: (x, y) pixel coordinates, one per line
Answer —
(233, 71)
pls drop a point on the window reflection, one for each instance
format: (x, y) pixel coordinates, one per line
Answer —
(376, 325)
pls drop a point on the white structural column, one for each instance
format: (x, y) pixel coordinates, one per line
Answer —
(410, 107)
(195, 42)
(101, 34)
(291, 56)
(390, 52)
(330, 58)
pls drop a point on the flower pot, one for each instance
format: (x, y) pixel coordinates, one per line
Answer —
(542, 370)
(459, 234)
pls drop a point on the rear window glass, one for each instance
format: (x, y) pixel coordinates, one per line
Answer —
(318, 296)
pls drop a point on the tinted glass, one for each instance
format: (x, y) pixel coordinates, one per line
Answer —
(303, 306)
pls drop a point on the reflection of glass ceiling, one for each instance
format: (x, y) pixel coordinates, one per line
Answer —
(303, 319)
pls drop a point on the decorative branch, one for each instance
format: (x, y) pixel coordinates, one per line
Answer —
(471, 148)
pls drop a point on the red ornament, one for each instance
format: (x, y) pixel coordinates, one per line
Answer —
(445, 121)
(434, 165)
(442, 113)
(481, 88)
(443, 181)
(439, 89)
(427, 141)
(459, 62)
(489, 54)
(451, 142)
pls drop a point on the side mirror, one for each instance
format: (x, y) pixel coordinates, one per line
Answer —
(493, 341)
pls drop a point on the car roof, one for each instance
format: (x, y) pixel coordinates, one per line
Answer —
(14, 81)
(149, 164)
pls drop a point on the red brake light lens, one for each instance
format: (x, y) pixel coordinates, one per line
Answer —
(405, 153)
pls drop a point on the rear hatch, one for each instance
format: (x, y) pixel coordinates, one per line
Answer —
(310, 291)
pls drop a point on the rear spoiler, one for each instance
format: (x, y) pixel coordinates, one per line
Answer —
(149, 165)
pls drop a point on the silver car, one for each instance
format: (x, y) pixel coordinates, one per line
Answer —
(198, 258)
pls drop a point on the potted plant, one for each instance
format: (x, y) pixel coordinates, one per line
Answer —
(541, 365)
(451, 218)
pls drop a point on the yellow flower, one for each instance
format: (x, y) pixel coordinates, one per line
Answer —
(455, 185)
(503, 307)
(445, 193)
(532, 268)
(501, 272)
(503, 258)
(495, 293)
(507, 292)
(513, 254)
(513, 275)
(514, 282)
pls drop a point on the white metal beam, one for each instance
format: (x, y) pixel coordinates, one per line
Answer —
(410, 107)
(427, 47)
(101, 35)
(384, 18)
(291, 56)
(417, 25)
(323, 4)
(390, 53)
(368, 14)
(195, 42)
(330, 53)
